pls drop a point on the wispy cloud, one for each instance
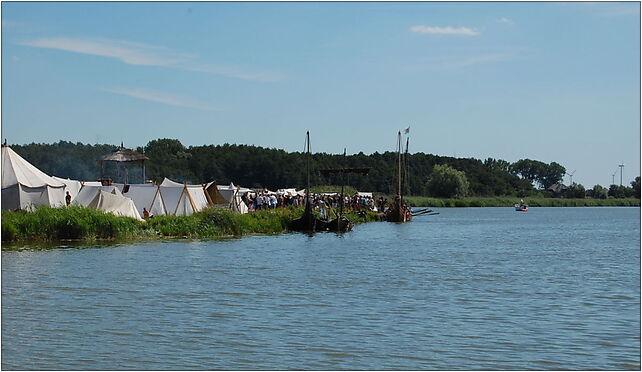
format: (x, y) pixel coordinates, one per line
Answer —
(454, 63)
(444, 30)
(140, 54)
(125, 51)
(162, 97)
(505, 20)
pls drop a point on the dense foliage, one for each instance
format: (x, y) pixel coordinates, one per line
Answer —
(258, 167)
(447, 182)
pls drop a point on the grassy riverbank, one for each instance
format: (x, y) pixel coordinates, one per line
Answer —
(76, 223)
(421, 201)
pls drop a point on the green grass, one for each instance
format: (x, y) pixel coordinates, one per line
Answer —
(421, 201)
(51, 224)
(47, 224)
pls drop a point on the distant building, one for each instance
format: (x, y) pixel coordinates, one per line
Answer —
(558, 190)
(122, 158)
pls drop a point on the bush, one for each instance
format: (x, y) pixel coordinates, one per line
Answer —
(447, 182)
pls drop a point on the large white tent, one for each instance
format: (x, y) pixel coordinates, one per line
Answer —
(181, 199)
(108, 199)
(25, 186)
(71, 186)
(145, 195)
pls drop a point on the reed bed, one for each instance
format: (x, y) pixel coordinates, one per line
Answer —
(420, 201)
(47, 224)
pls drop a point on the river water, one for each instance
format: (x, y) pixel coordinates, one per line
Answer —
(470, 288)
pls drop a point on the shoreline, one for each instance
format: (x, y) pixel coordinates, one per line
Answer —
(508, 201)
(77, 225)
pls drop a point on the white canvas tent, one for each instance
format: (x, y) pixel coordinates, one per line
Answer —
(146, 196)
(72, 186)
(25, 186)
(181, 199)
(233, 195)
(108, 199)
(288, 192)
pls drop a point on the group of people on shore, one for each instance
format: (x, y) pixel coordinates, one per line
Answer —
(321, 202)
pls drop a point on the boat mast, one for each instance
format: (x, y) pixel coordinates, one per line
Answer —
(307, 189)
(342, 183)
(399, 164)
(405, 169)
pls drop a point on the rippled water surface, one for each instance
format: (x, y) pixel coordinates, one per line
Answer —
(479, 288)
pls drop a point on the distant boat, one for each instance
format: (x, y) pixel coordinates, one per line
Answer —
(308, 222)
(399, 211)
(521, 206)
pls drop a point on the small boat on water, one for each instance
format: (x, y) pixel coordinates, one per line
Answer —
(521, 206)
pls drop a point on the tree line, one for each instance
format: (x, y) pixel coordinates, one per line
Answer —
(259, 167)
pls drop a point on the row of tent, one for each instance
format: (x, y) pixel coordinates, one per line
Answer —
(25, 186)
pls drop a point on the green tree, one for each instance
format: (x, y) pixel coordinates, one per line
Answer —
(635, 185)
(598, 192)
(617, 191)
(576, 191)
(545, 175)
(551, 174)
(447, 182)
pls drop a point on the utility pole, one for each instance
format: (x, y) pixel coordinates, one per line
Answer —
(621, 168)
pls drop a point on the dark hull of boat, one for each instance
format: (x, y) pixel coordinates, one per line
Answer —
(396, 214)
(341, 224)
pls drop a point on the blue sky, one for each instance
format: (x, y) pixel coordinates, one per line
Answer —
(547, 81)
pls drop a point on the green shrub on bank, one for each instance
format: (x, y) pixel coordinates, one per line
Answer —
(54, 224)
(50, 224)
(47, 224)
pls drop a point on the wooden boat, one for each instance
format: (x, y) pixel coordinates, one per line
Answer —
(308, 222)
(399, 211)
(342, 223)
(521, 207)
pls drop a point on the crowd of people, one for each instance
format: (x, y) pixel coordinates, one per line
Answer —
(320, 202)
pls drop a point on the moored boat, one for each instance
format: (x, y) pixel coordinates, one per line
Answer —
(398, 210)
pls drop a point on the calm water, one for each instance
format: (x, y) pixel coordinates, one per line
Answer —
(480, 288)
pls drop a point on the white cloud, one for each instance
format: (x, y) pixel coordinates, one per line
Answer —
(140, 54)
(162, 97)
(506, 20)
(445, 30)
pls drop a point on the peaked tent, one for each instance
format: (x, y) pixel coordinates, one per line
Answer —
(108, 199)
(113, 202)
(145, 196)
(183, 199)
(72, 186)
(25, 186)
(233, 196)
(87, 194)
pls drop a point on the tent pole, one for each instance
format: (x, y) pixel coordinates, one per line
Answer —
(179, 202)
(162, 199)
(190, 198)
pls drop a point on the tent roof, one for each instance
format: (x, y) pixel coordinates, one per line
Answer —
(16, 170)
(122, 154)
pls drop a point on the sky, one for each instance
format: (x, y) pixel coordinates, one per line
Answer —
(545, 81)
